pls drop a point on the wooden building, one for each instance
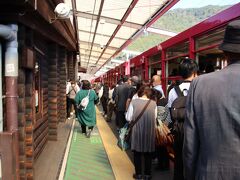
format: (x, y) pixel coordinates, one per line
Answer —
(46, 59)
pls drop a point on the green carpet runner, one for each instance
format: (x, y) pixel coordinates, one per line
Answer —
(87, 159)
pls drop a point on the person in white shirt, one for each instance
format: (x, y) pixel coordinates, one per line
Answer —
(71, 93)
(157, 84)
(188, 69)
(111, 104)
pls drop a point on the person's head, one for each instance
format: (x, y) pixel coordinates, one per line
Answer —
(86, 84)
(125, 79)
(156, 95)
(120, 81)
(231, 41)
(73, 83)
(145, 90)
(156, 80)
(146, 83)
(134, 80)
(188, 68)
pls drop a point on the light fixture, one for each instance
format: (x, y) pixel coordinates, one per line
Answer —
(62, 11)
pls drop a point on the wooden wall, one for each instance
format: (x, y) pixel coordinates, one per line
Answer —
(53, 81)
(71, 63)
(36, 128)
(62, 71)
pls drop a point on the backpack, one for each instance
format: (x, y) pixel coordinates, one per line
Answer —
(84, 102)
(177, 112)
(178, 106)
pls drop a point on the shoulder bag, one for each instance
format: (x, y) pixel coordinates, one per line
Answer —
(125, 132)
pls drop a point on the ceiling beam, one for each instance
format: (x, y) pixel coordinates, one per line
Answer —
(96, 26)
(108, 20)
(125, 16)
(161, 32)
(147, 24)
(97, 45)
(85, 49)
(93, 56)
(102, 35)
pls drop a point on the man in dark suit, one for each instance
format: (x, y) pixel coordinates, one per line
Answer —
(121, 99)
(211, 149)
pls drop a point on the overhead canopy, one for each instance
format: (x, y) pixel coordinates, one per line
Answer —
(105, 27)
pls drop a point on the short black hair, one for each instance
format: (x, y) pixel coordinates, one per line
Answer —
(145, 90)
(187, 68)
(125, 78)
(86, 84)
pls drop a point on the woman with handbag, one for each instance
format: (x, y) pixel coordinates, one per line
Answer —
(87, 115)
(144, 111)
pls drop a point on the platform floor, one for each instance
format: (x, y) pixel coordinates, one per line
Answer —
(75, 157)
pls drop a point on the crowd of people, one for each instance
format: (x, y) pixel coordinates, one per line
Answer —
(208, 148)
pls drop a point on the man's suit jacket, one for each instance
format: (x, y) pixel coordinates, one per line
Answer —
(121, 96)
(211, 149)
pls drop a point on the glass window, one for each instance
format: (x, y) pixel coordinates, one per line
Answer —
(211, 38)
(37, 87)
(154, 65)
(178, 50)
(172, 66)
(138, 71)
(154, 69)
(155, 58)
(211, 60)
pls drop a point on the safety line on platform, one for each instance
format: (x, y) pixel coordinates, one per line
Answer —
(64, 163)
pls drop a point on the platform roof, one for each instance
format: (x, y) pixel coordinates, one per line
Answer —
(105, 27)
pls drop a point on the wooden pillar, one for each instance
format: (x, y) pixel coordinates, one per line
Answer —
(21, 122)
(25, 107)
(53, 85)
(29, 115)
(62, 84)
(70, 63)
(21, 108)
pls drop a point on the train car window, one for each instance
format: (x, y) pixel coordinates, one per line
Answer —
(211, 60)
(154, 64)
(178, 50)
(209, 39)
(209, 57)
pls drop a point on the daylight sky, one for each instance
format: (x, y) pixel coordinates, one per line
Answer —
(201, 3)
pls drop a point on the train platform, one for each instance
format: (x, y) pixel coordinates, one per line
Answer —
(76, 157)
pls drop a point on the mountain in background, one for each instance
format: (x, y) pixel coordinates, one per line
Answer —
(176, 20)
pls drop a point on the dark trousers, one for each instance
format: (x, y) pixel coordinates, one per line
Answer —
(147, 162)
(84, 128)
(178, 160)
(120, 119)
(111, 107)
(104, 104)
(70, 103)
(163, 158)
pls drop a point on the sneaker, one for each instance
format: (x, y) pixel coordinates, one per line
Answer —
(88, 134)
